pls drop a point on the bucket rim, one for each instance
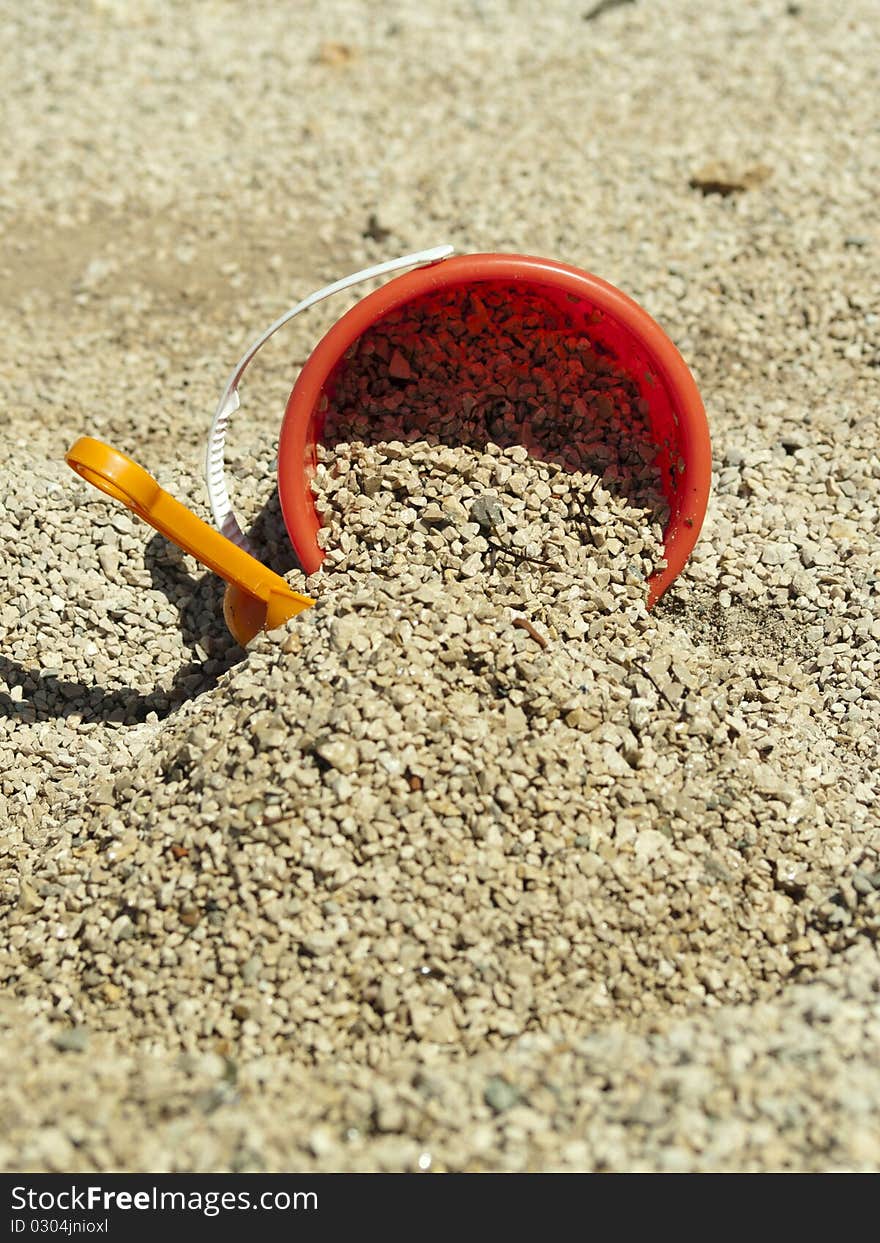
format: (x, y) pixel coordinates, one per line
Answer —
(295, 442)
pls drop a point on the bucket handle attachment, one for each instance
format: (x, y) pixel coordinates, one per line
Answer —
(215, 476)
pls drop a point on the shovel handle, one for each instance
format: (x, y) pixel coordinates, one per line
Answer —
(118, 476)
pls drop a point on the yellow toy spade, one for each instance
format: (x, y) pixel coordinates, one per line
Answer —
(256, 598)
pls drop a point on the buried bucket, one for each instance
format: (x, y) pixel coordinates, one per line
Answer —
(572, 358)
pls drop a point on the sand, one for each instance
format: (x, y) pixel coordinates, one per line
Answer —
(403, 887)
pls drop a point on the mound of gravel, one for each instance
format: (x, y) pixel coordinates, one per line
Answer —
(784, 1084)
(477, 792)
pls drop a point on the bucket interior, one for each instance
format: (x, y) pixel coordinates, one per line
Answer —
(513, 362)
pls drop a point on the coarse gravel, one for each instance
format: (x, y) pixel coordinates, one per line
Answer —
(478, 864)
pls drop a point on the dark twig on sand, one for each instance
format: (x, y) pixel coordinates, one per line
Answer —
(522, 556)
(604, 6)
(522, 623)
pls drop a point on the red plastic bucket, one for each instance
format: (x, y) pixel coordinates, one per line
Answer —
(675, 412)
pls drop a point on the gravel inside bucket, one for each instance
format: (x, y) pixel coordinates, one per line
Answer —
(495, 363)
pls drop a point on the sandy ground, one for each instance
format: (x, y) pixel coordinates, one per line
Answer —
(684, 978)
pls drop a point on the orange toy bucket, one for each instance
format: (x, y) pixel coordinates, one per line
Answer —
(610, 323)
(613, 321)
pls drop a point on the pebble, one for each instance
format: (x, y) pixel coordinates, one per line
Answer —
(500, 1095)
(339, 753)
(72, 1040)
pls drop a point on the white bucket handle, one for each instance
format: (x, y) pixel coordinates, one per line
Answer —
(215, 477)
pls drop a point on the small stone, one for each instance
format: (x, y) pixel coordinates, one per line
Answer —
(454, 509)
(322, 1141)
(388, 997)
(486, 511)
(442, 1028)
(339, 753)
(349, 631)
(71, 1040)
(398, 367)
(777, 554)
(103, 794)
(319, 944)
(515, 720)
(500, 1095)
(109, 560)
(291, 644)
(640, 716)
(28, 898)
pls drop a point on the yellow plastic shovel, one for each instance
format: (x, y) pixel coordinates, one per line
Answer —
(256, 598)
